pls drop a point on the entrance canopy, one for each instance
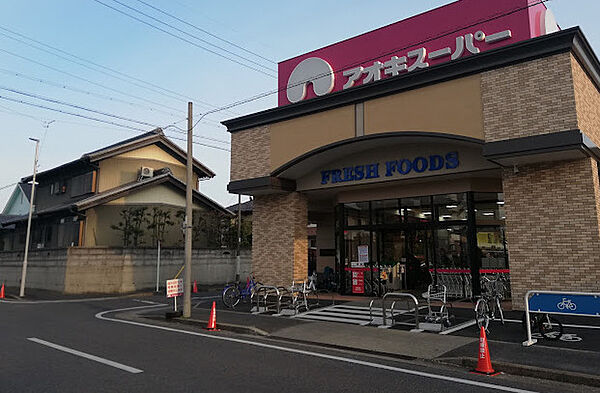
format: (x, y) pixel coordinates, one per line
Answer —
(383, 158)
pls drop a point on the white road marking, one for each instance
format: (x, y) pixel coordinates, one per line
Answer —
(423, 374)
(87, 356)
(145, 301)
(459, 327)
(564, 324)
(95, 299)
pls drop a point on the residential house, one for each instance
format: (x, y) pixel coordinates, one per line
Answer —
(108, 197)
(18, 202)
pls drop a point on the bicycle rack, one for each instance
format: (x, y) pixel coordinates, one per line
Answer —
(268, 291)
(398, 296)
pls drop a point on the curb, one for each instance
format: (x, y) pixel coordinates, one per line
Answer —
(225, 326)
(529, 371)
(468, 363)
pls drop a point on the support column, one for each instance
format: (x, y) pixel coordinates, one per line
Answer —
(552, 227)
(280, 238)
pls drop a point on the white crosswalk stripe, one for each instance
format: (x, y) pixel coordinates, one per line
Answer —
(356, 315)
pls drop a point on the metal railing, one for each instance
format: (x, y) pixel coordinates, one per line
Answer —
(402, 296)
(589, 307)
(264, 292)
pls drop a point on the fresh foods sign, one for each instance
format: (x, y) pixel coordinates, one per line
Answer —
(463, 28)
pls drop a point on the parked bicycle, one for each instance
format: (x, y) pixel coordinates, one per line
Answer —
(543, 325)
(489, 302)
(233, 293)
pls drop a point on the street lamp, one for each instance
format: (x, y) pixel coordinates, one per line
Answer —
(31, 197)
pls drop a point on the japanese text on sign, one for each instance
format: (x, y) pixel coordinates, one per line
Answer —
(398, 65)
(358, 282)
(174, 287)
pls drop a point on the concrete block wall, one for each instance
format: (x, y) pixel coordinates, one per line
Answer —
(45, 269)
(116, 270)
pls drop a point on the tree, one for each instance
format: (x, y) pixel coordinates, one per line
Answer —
(158, 221)
(131, 226)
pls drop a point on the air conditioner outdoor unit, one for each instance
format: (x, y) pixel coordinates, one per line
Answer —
(146, 172)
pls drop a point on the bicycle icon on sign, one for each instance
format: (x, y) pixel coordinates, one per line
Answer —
(566, 304)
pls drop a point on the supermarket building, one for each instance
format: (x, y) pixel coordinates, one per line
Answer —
(459, 142)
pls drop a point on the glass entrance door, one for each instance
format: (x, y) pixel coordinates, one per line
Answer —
(405, 259)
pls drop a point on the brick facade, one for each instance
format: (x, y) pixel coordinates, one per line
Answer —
(528, 99)
(280, 238)
(251, 153)
(587, 98)
(552, 227)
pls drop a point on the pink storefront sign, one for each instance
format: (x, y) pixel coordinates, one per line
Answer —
(449, 33)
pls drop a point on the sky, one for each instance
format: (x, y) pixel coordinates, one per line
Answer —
(157, 74)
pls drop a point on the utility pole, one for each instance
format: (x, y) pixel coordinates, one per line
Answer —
(187, 281)
(31, 198)
(239, 239)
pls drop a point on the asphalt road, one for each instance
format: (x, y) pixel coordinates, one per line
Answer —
(66, 347)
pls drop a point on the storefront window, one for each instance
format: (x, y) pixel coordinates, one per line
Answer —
(491, 246)
(451, 207)
(402, 244)
(489, 208)
(356, 242)
(417, 209)
(387, 212)
(451, 248)
(356, 214)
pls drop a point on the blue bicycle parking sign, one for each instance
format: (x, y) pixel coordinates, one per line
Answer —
(565, 303)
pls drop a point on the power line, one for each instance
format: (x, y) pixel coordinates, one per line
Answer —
(206, 32)
(59, 102)
(201, 144)
(69, 113)
(86, 66)
(182, 131)
(185, 39)
(87, 117)
(8, 186)
(193, 36)
(88, 81)
(101, 66)
(81, 91)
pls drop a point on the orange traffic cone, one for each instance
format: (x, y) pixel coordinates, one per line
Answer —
(484, 363)
(212, 320)
(195, 289)
(2, 292)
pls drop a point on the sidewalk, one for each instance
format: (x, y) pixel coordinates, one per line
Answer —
(561, 364)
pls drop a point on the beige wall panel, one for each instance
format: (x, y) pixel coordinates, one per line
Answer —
(292, 138)
(91, 222)
(153, 152)
(157, 195)
(115, 171)
(452, 107)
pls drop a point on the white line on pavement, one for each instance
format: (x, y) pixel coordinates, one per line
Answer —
(95, 299)
(459, 327)
(87, 356)
(564, 324)
(462, 381)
